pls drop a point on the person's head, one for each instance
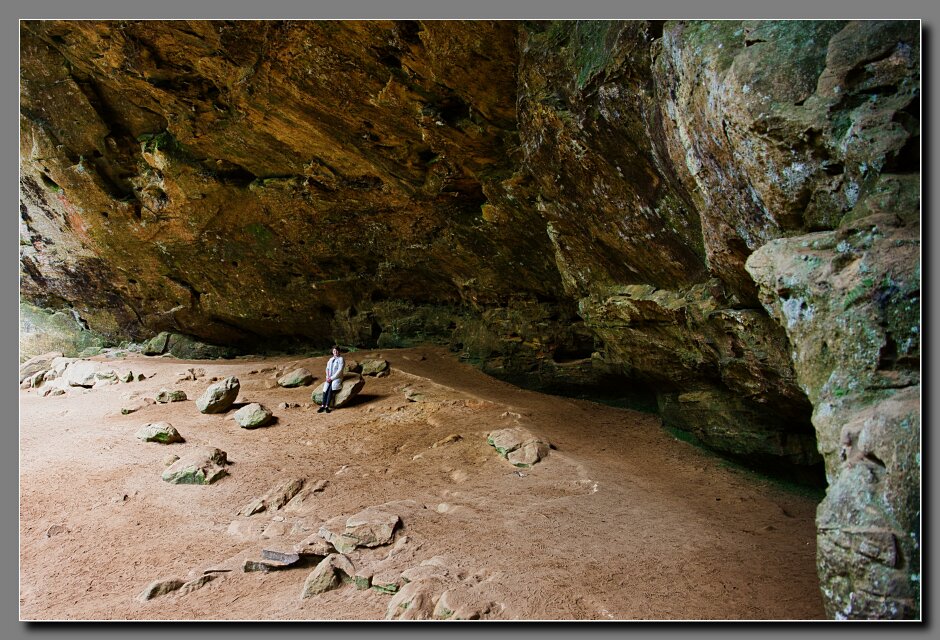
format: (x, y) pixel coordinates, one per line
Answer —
(335, 350)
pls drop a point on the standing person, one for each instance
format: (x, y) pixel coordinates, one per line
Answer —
(334, 378)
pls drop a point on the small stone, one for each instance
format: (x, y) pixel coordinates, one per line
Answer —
(372, 527)
(275, 498)
(55, 530)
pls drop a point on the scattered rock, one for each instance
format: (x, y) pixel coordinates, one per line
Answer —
(275, 498)
(283, 557)
(413, 395)
(414, 601)
(374, 367)
(460, 604)
(372, 527)
(38, 363)
(296, 378)
(55, 530)
(197, 583)
(298, 502)
(518, 446)
(160, 587)
(330, 573)
(528, 454)
(333, 531)
(131, 408)
(127, 376)
(162, 432)
(202, 466)
(165, 396)
(253, 415)
(263, 566)
(313, 546)
(170, 459)
(81, 373)
(219, 396)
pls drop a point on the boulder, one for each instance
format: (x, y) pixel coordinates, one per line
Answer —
(352, 385)
(275, 498)
(372, 527)
(81, 373)
(38, 364)
(374, 367)
(162, 432)
(296, 378)
(219, 396)
(170, 395)
(518, 446)
(201, 466)
(253, 415)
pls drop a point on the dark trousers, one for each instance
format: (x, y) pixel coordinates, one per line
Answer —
(327, 395)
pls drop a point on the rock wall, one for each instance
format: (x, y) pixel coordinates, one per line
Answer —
(656, 206)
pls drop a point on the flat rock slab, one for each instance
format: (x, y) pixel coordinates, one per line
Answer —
(204, 465)
(372, 527)
(162, 432)
(296, 378)
(253, 415)
(284, 557)
(275, 498)
(264, 566)
(219, 396)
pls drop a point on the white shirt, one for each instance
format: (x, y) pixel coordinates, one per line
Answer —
(334, 371)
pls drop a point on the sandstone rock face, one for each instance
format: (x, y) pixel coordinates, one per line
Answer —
(565, 204)
(849, 300)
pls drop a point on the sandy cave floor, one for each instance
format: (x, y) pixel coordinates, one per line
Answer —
(621, 521)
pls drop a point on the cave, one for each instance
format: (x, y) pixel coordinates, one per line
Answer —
(661, 276)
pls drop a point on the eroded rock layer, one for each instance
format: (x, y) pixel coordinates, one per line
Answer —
(570, 205)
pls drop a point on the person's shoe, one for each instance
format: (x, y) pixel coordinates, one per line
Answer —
(327, 409)
(321, 409)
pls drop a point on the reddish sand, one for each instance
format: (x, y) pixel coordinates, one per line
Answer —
(620, 521)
